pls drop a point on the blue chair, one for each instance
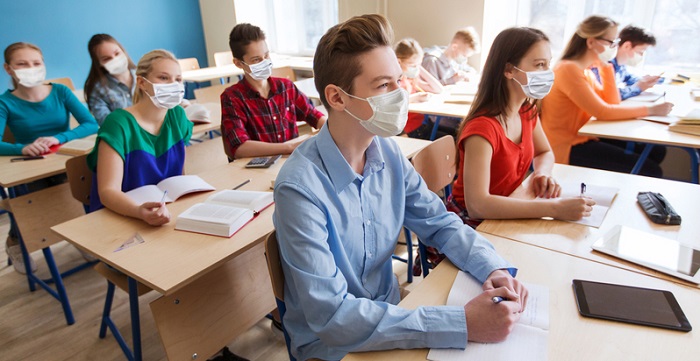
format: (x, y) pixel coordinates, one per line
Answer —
(274, 266)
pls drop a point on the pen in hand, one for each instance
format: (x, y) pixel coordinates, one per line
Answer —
(162, 200)
(498, 299)
(583, 189)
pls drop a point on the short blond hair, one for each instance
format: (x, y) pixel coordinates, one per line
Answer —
(407, 48)
(336, 56)
(145, 66)
(468, 36)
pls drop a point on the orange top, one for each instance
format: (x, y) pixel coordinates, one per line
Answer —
(575, 97)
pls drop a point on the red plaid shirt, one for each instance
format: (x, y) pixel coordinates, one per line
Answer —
(246, 115)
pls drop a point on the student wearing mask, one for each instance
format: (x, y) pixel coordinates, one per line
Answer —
(111, 82)
(340, 202)
(634, 42)
(502, 136)
(38, 115)
(416, 81)
(577, 95)
(259, 113)
(449, 63)
(144, 143)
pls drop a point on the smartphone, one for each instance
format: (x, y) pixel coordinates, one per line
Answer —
(262, 162)
(641, 306)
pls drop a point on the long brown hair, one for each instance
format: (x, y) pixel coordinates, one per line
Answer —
(17, 46)
(492, 97)
(98, 74)
(591, 27)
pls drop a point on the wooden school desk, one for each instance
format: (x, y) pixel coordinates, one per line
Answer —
(225, 71)
(34, 213)
(576, 239)
(213, 288)
(215, 117)
(651, 133)
(571, 336)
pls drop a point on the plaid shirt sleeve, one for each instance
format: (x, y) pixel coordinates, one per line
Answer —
(233, 129)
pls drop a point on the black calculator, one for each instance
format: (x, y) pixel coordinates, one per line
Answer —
(262, 162)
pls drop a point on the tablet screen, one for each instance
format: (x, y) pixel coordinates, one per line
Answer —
(630, 304)
(650, 250)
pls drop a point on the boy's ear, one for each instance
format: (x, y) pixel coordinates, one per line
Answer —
(335, 97)
(238, 63)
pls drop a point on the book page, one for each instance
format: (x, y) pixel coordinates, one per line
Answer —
(253, 200)
(602, 195)
(531, 333)
(78, 146)
(183, 184)
(214, 213)
(148, 193)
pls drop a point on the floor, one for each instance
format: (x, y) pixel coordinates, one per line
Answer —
(33, 327)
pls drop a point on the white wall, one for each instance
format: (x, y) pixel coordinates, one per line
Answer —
(218, 18)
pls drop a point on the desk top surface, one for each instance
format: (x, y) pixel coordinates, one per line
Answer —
(637, 130)
(571, 336)
(16, 173)
(576, 239)
(216, 72)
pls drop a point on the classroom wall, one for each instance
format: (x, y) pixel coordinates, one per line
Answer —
(62, 30)
(218, 18)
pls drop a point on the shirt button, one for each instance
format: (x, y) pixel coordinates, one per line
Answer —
(370, 255)
(279, 135)
(368, 222)
(274, 117)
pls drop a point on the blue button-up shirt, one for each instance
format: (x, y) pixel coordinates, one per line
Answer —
(106, 98)
(337, 231)
(625, 80)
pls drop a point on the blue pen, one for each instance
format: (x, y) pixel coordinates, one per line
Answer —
(583, 189)
(162, 200)
(497, 299)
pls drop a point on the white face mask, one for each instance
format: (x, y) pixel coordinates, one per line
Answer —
(118, 65)
(635, 59)
(261, 70)
(31, 77)
(167, 96)
(607, 54)
(412, 72)
(539, 83)
(390, 112)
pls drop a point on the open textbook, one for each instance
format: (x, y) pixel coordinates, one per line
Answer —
(527, 341)
(223, 213)
(603, 197)
(176, 187)
(78, 146)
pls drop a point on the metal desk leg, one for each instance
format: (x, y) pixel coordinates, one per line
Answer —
(135, 320)
(642, 158)
(60, 288)
(433, 134)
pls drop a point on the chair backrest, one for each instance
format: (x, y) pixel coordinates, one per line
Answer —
(206, 155)
(210, 94)
(188, 64)
(65, 81)
(436, 163)
(222, 58)
(274, 265)
(7, 136)
(284, 72)
(79, 178)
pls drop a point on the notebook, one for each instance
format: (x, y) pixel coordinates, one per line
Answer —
(173, 188)
(531, 333)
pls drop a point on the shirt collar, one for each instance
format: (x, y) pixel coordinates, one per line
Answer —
(339, 171)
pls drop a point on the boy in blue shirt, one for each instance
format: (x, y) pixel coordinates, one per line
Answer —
(634, 42)
(341, 200)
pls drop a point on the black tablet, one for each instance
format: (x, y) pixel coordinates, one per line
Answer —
(642, 306)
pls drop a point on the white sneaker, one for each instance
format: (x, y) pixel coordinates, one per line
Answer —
(14, 254)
